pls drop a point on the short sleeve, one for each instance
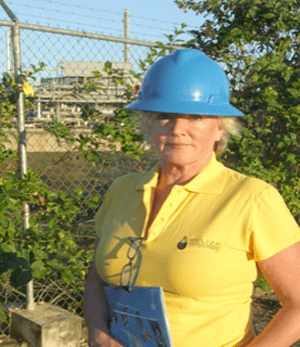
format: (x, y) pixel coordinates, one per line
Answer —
(272, 226)
(100, 214)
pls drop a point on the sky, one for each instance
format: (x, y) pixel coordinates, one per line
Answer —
(149, 20)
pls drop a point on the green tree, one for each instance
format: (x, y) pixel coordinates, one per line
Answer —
(258, 45)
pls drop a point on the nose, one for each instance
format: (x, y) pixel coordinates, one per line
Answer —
(178, 126)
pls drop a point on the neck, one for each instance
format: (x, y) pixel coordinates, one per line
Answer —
(171, 174)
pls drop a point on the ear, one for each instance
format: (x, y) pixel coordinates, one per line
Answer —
(221, 130)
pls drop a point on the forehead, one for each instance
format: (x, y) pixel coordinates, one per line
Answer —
(183, 115)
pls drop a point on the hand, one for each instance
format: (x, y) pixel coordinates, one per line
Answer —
(104, 340)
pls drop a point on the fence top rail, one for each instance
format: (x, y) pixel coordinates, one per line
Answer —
(83, 34)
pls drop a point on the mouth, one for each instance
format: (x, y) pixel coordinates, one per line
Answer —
(176, 147)
(176, 144)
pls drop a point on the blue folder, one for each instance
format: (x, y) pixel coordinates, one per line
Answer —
(138, 318)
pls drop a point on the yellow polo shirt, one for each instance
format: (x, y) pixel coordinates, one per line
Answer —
(202, 247)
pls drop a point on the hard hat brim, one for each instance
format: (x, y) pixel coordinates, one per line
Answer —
(184, 107)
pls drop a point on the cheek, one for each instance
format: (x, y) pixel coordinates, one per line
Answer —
(156, 138)
(207, 137)
(211, 132)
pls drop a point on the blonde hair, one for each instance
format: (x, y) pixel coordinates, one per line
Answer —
(232, 126)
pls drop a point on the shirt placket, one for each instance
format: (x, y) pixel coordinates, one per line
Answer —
(168, 209)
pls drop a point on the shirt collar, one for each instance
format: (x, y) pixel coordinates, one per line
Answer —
(210, 179)
(149, 179)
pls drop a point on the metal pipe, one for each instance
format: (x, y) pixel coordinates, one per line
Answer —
(58, 111)
(39, 113)
(8, 34)
(8, 11)
(22, 143)
(126, 35)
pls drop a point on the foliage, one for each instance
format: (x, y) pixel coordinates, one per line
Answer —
(47, 243)
(257, 43)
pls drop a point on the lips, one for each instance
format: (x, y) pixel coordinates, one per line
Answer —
(176, 144)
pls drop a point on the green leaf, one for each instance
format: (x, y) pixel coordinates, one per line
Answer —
(107, 67)
(70, 244)
(79, 191)
(20, 277)
(7, 248)
(269, 15)
(235, 32)
(263, 284)
(54, 264)
(22, 262)
(67, 276)
(37, 264)
(3, 317)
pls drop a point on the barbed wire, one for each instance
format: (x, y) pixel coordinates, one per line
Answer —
(162, 21)
(87, 16)
(94, 17)
(154, 36)
(62, 12)
(80, 7)
(106, 11)
(66, 21)
(92, 25)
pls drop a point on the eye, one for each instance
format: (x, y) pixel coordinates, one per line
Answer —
(196, 117)
(164, 116)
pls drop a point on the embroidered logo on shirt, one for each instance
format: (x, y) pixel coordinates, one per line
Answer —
(199, 243)
(182, 244)
(212, 245)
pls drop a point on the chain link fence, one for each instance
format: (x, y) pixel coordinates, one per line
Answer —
(69, 57)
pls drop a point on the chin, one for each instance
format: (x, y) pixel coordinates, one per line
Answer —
(177, 160)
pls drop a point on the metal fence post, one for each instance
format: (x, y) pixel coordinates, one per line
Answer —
(8, 50)
(22, 142)
(126, 35)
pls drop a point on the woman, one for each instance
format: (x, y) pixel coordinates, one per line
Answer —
(207, 230)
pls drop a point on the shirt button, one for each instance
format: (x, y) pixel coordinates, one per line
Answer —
(164, 219)
(171, 205)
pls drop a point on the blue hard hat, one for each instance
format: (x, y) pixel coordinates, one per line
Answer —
(187, 82)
